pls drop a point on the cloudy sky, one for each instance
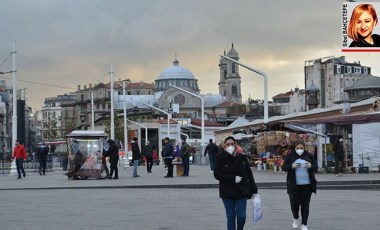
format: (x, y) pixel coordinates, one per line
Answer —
(67, 43)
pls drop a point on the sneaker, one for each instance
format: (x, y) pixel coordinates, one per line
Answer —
(304, 227)
(295, 223)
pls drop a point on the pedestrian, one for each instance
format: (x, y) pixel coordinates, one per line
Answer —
(236, 182)
(20, 154)
(42, 153)
(168, 155)
(211, 150)
(338, 149)
(148, 154)
(185, 156)
(136, 156)
(113, 153)
(301, 182)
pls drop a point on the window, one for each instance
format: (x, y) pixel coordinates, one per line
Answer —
(233, 68)
(357, 70)
(338, 68)
(81, 97)
(234, 90)
(348, 69)
(365, 70)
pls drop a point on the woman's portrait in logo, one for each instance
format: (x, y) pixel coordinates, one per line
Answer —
(360, 28)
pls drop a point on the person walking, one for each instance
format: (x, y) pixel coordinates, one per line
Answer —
(301, 182)
(338, 149)
(236, 182)
(148, 154)
(42, 151)
(168, 155)
(211, 150)
(136, 156)
(113, 153)
(20, 154)
(185, 156)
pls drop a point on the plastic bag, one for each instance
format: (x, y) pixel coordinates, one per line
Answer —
(257, 212)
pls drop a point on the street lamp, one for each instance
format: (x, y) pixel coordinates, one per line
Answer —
(202, 118)
(187, 136)
(146, 129)
(265, 85)
(162, 111)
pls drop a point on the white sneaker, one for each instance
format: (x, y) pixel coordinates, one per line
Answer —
(295, 223)
(211, 171)
(304, 227)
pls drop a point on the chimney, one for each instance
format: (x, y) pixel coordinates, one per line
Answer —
(90, 85)
(85, 87)
(78, 87)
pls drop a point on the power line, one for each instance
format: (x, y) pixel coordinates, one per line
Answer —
(6, 59)
(38, 83)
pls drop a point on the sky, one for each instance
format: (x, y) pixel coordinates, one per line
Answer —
(64, 43)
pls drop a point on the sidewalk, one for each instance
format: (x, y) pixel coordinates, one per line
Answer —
(200, 177)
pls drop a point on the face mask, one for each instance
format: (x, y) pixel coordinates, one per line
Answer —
(230, 149)
(341, 140)
(299, 151)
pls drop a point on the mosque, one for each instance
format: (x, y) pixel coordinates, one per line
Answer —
(184, 107)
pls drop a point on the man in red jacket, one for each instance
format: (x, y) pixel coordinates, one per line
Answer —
(20, 154)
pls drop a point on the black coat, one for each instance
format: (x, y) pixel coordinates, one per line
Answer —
(136, 154)
(227, 167)
(291, 177)
(338, 150)
(113, 153)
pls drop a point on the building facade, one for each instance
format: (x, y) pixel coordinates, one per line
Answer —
(332, 76)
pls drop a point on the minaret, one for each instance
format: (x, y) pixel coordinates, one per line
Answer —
(223, 76)
(233, 79)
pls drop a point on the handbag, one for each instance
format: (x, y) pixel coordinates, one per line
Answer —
(257, 212)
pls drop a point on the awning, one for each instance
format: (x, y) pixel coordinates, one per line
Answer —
(340, 120)
(297, 128)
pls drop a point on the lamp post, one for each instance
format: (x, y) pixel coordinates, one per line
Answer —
(125, 120)
(112, 106)
(187, 136)
(265, 85)
(162, 111)
(146, 129)
(202, 119)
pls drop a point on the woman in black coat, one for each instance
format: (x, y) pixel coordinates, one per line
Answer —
(301, 182)
(236, 182)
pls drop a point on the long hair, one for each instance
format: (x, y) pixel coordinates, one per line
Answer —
(356, 13)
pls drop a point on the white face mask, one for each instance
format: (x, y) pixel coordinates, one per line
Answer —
(230, 149)
(299, 151)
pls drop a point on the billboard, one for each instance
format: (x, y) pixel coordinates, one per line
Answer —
(360, 29)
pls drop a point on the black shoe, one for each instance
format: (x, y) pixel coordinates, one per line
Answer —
(115, 178)
(136, 176)
(19, 177)
(44, 174)
(40, 173)
(23, 174)
(167, 176)
(109, 177)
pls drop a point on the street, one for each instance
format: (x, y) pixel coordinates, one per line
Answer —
(185, 209)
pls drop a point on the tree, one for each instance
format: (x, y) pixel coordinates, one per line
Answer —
(119, 127)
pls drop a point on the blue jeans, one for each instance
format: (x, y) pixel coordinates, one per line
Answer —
(212, 161)
(20, 166)
(135, 165)
(235, 209)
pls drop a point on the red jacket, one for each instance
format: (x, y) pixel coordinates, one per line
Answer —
(19, 152)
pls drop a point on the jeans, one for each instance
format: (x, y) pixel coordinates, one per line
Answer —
(42, 167)
(186, 165)
(235, 209)
(135, 165)
(301, 198)
(211, 157)
(20, 167)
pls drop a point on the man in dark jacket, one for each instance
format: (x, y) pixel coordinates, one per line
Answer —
(148, 154)
(339, 156)
(168, 155)
(136, 156)
(113, 153)
(212, 150)
(42, 151)
(185, 155)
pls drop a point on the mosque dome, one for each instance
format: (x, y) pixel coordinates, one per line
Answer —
(178, 76)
